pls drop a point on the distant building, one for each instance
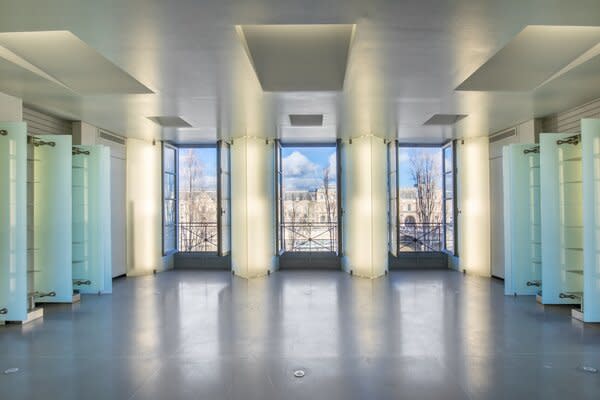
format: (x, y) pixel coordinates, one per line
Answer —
(407, 209)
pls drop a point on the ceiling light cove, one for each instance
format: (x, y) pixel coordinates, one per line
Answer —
(290, 58)
(63, 58)
(532, 57)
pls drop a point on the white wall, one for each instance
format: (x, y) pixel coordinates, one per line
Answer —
(524, 133)
(11, 108)
(144, 209)
(473, 200)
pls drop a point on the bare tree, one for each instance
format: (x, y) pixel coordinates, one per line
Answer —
(425, 173)
(189, 177)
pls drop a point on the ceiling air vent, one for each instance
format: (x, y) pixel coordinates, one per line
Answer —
(306, 119)
(170, 121)
(444, 119)
(496, 137)
(112, 138)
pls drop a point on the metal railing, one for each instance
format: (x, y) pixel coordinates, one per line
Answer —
(309, 236)
(198, 236)
(421, 237)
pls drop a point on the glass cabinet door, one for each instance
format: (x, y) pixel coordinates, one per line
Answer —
(13, 229)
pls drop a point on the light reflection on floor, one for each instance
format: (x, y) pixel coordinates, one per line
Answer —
(208, 334)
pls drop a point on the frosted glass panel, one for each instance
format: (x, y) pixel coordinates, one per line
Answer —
(52, 228)
(560, 185)
(590, 136)
(522, 220)
(13, 229)
(571, 217)
(92, 269)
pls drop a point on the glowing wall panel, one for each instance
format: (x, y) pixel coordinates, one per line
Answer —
(92, 268)
(13, 226)
(555, 278)
(144, 202)
(473, 201)
(253, 207)
(590, 136)
(364, 204)
(52, 227)
(521, 174)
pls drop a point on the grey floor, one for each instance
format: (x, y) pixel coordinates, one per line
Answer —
(208, 335)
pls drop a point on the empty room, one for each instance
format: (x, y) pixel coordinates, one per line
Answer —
(276, 199)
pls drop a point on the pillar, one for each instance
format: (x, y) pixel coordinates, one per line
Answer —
(253, 250)
(364, 206)
(473, 201)
(144, 207)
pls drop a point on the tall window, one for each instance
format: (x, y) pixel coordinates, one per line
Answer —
(197, 210)
(449, 182)
(308, 199)
(169, 199)
(420, 197)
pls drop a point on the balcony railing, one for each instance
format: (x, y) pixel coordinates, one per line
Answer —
(198, 236)
(421, 237)
(309, 236)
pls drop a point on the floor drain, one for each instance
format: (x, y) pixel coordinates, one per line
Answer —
(589, 370)
(299, 373)
(11, 371)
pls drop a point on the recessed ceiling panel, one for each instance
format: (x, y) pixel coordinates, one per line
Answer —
(306, 119)
(66, 58)
(170, 121)
(573, 88)
(298, 57)
(531, 57)
(444, 119)
(32, 88)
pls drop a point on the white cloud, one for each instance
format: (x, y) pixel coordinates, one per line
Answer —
(403, 157)
(297, 164)
(300, 173)
(332, 166)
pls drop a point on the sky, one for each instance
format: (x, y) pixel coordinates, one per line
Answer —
(207, 157)
(303, 166)
(404, 154)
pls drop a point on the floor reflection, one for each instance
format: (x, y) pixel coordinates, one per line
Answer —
(208, 334)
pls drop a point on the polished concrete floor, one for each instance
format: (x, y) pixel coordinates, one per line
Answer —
(209, 335)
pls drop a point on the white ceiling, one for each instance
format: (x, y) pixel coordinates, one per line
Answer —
(406, 59)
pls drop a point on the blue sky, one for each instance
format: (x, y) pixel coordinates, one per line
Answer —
(207, 157)
(303, 166)
(404, 154)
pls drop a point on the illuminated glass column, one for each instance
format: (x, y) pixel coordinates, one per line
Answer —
(473, 194)
(364, 206)
(144, 215)
(252, 207)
